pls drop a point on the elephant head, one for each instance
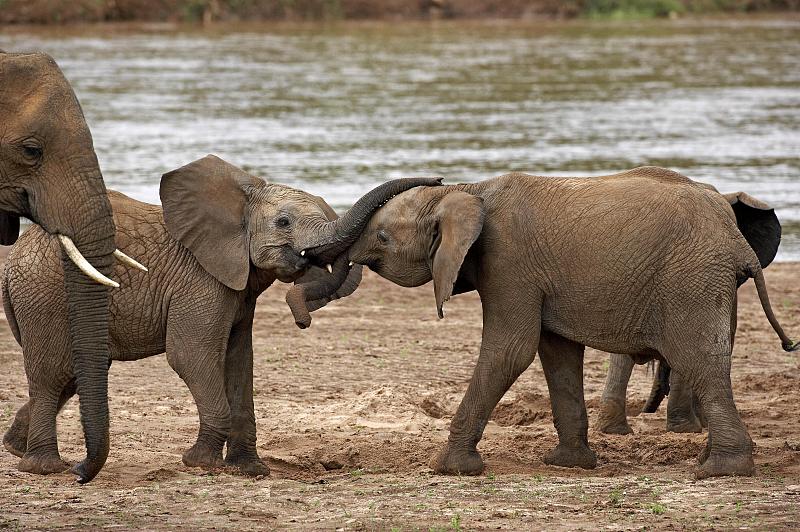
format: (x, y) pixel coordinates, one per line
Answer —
(232, 221)
(420, 235)
(49, 174)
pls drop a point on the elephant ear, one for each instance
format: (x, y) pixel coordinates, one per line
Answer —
(759, 225)
(9, 228)
(458, 223)
(205, 209)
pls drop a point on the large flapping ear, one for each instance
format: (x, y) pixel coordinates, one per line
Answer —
(758, 223)
(205, 209)
(9, 228)
(459, 221)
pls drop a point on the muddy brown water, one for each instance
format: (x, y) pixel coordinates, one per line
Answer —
(337, 108)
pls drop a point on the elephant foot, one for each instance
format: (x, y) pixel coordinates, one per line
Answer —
(451, 461)
(42, 464)
(683, 425)
(612, 418)
(249, 465)
(15, 440)
(566, 456)
(723, 465)
(204, 456)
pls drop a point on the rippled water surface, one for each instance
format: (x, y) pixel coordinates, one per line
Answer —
(337, 109)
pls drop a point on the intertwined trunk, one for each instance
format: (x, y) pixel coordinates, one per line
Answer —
(327, 244)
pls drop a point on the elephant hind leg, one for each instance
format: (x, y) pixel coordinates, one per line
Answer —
(682, 407)
(562, 361)
(730, 449)
(15, 439)
(613, 417)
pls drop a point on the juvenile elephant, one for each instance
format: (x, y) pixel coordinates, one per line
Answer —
(223, 238)
(49, 174)
(644, 263)
(760, 227)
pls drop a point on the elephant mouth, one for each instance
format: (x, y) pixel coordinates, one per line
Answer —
(290, 265)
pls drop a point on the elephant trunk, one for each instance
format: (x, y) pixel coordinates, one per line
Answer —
(89, 226)
(333, 238)
(307, 297)
(660, 388)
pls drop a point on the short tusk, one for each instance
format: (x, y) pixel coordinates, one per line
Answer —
(124, 259)
(329, 268)
(350, 264)
(83, 264)
(303, 253)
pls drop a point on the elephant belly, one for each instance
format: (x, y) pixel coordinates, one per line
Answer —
(603, 329)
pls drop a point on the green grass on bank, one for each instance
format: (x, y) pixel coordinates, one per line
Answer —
(67, 11)
(622, 9)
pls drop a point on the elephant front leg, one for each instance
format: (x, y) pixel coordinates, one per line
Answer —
(41, 452)
(242, 452)
(508, 347)
(613, 417)
(562, 361)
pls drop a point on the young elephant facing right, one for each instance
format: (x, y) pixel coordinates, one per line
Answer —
(644, 262)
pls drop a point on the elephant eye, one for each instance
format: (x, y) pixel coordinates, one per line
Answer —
(32, 151)
(282, 221)
(383, 237)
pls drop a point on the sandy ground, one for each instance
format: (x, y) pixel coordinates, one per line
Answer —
(350, 410)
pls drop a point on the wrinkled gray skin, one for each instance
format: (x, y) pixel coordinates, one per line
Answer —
(49, 174)
(644, 263)
(759, 225)
(223, 238)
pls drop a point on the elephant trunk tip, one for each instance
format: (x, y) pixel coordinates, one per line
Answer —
(790, 346)
(296, 299)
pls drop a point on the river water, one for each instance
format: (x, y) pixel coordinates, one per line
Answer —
(335, 109)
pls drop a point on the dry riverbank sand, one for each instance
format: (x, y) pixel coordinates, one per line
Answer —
(350, 410)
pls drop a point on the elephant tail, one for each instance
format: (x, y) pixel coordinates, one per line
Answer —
(763, 295)
(9, 307)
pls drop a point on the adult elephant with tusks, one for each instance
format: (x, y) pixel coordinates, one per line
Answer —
(49, 174)
(645, 263)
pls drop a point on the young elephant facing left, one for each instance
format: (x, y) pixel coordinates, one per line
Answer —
(224, 236)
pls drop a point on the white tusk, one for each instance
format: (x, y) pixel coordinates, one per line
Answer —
(83, 264)
(124, 259)
(303, 253)
(350, 264)
(329, 268)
